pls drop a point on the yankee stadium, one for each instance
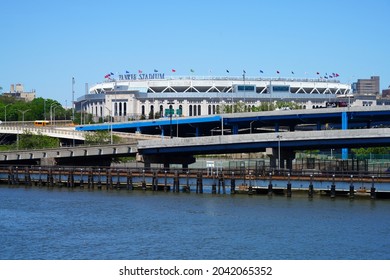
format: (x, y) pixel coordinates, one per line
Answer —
(147, 95)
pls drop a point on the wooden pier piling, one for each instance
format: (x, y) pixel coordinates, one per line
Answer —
(289, 193)
(214, 185)
(90, 179)
(311, 189)
(187, 187)
(199, 182)
(270, 191)
(118, 181)
(333, 188)
(27, 177)
(155, 181)
(221, 183)
(250, 189)
(40, 177)
(372, 190)
(232, 184)
(99, 183)
(351, 189)
(176, 182)
(70, 181)
(50, 179)
(16, 177)
(129, 180)
(166, 187)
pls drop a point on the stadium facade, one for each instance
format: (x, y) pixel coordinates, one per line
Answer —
(133, 96)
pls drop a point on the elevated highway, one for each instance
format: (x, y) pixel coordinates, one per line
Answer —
(181, 150)
(281, 145)
(77, 156)
(60, 132)
(255, 122)
(298, 140)
(68, 133)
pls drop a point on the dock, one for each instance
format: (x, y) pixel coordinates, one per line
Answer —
(197, 181)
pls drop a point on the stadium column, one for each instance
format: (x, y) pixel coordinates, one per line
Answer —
(344, 126)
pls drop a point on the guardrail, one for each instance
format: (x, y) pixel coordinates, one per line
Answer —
(64, 133)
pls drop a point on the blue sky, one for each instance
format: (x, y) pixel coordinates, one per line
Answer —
(46, 43)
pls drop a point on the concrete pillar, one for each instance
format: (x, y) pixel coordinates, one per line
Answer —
(286, 157)
(147, 165)
(344, 126)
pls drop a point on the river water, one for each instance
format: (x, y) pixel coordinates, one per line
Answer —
(59, 223)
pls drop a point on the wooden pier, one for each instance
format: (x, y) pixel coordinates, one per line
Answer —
(198, 181)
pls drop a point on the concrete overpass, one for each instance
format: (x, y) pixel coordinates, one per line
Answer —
(56, 132)
(255, 122)
(77, 156)
(68, 133)
(281, 145)
(182, 150)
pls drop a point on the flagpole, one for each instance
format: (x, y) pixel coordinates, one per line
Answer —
(73, 99)
(73, 109)
(243, 76)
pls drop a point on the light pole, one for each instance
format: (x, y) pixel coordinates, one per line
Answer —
(110, 124)
(44, 109)
(51, 112)
(66, 108)
(23, 112)
(170, 118)
(279, 136)
(5, 112)
(82, 110)
(73, 82)
(243, 77)
(222, 124)
(54, 112)
(17, 134)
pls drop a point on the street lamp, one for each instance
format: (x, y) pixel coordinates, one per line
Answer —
(5, 112)
(171, 110)
(51, 111)
(17, 134)
(82, 111)
(54, 113)
(23, 112)
(110, 124)
(279, 136)
(44, 109)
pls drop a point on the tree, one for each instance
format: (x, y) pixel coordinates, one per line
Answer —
(27, 140)
(365, 152)
(100, 137)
